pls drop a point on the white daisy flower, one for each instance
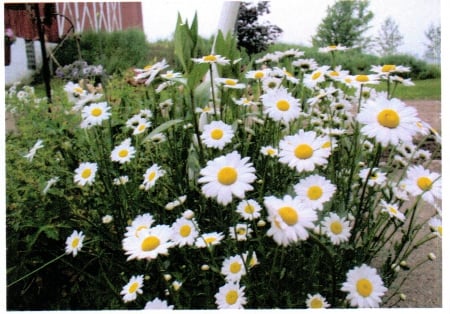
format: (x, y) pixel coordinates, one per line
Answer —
(314, 191)
(157, 304)
(217, 134)
(184, 232)
(392, 210)
(271, 83)
(209, 239)
(389, 121)
(364, 287)
(316, 77)
(279, 105)
(123, 152)
(257, 74)
(240, 232)
(435, 224)
(95, 114)
(305, 65)
(251, 261)
(303, 151)
(249, 209)
(337, 74)
(33, 150)
(316, 301)
(423, 182)
(377, 177)
(49, 184)
(139, 223)
(401, 80)
(286, 74)
(227, 176)
(233, 268)
(231, 296)
(149, 243)
(360, 80)
(218, 59)
(387, 69)
(245, 102)
(332, 48)
(149, 72)
(336, 228)
(74, 243)
(85, 173)
(151, 175)
(170, 75)
(107, 219)
(269, 151)
(229, 83)
(289, 219)
(132, 288)
(122, 180)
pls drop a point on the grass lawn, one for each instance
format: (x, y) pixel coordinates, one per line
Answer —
(423, 90)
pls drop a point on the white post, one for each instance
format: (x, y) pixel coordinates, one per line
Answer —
(227, 19)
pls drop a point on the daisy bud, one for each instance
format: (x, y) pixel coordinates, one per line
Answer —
(205, 267)
(188, 214)
(431, 256)
(404, 264)
(260, 181)
(402, 296)
(167, 277)
(176, 285)
(141, 187)
(166, 292)
(147, 277)
(107, 219)
(261, 223)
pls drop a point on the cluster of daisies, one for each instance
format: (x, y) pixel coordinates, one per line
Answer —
(310, 132)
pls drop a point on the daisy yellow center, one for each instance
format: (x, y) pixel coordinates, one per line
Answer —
(141, 127)
(327, 144)
(283, 105)
(185, 231)
(210, 58)
(148, 67)
(316, 303)
(389, 118)
(303, 151)
(393, 211)
(249, 209)
(75, 242)
(78, 90)
(123, 153)
(439, 230)
(348, 80)
(210, 240)
(332, 47)
(150, 243)
(227, 175)
(289, 215)
(362, 78)
(364, 287)
(230, 82)
(235, 267)
(96, 112)
(336, 227)
(314, 192)
(287, 73)
(424, 183)
(216, 134)
(133, 287)
(270, 152)
(272, 85)
(241, 231)
(259, 74)
(316, 75)
(334, 73)
(231, 297)
(151, 176)
(388, 68)
(86, 173)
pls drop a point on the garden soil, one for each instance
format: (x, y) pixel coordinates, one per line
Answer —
(423, 287)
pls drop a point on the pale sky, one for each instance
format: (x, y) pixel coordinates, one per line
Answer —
(298, 18)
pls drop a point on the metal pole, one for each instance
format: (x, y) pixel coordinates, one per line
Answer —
(45, 65)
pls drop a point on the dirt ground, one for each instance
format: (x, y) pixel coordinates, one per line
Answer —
(423, 288)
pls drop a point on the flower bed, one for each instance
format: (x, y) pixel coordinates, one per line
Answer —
(275, 184)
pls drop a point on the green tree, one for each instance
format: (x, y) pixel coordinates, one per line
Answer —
(389, 38)
(433, 44)
(253, 35)
(345, 24)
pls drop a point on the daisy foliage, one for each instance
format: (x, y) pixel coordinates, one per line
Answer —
(251, 190)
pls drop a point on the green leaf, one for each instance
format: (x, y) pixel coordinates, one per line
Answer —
(162, 128)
